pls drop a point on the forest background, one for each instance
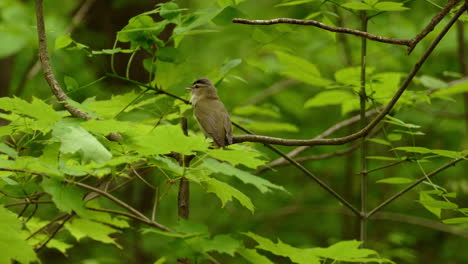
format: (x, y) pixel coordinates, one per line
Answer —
(101, 160)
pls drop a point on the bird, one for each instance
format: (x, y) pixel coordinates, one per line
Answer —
(210, 113)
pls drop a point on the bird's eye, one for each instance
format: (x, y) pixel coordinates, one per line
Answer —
(197, 86)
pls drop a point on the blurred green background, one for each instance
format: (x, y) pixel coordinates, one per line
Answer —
(309, 216)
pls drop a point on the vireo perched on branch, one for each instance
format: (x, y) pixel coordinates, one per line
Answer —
(210, 113)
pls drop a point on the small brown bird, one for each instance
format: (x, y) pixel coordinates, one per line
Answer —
(210, 113)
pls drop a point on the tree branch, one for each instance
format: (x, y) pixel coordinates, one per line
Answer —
(315, 23)
(414, 184)
(49, 75)
(374, 122)
(326, 133)
(411, 43)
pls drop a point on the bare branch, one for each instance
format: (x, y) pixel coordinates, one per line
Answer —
(315, 23)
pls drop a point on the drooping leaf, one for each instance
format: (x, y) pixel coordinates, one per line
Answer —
(226, 169)
(238, 156)
(348, 251)
(253, 256)
(296, 255)
(225, 193)
(395, 180)
(294, 2)
(13, 245)
(80, 228)
(222, 244)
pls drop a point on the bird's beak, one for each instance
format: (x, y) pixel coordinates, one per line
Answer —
(188, 87)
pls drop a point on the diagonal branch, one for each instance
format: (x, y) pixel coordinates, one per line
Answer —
(375, 121)
(414, 184)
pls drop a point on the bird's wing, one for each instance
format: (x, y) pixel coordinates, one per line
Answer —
(213, 121)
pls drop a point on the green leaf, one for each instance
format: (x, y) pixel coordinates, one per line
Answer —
(59, 245)
(225, 17)
(454, 89)
(398, 122)
(329, 98)
(222, 244)
(379, 141)
(382, 158)
(112, 51)
(4, 148)
(439, 152)
(169, 54)
(395, 180)
(253, 256)
(62, 42)
(456, 220)
(390, 6)
(67, 198)
(142, 31)
(247, 178)
(70, 83)
(80, 228)
(300, 69)
(357, 6)
(225, 193)
(170, 10)
(13, 243)
(439, 204)
(254, 110)
(237, 156)
(270, 127)
(225, 69)
(161, 260)
(424, 197)
(432, 82)
(75, 138)
(347, 251)
(43, 114)
(294, 2)
(168, 138)
(296, 255)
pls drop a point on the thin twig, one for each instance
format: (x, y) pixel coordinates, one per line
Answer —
(405, 190)
(363, 123)
(28, 202)
(54, 233)
(315, 23)
(386, 166)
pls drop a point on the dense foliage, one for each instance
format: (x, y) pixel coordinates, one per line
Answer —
(108, 188)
